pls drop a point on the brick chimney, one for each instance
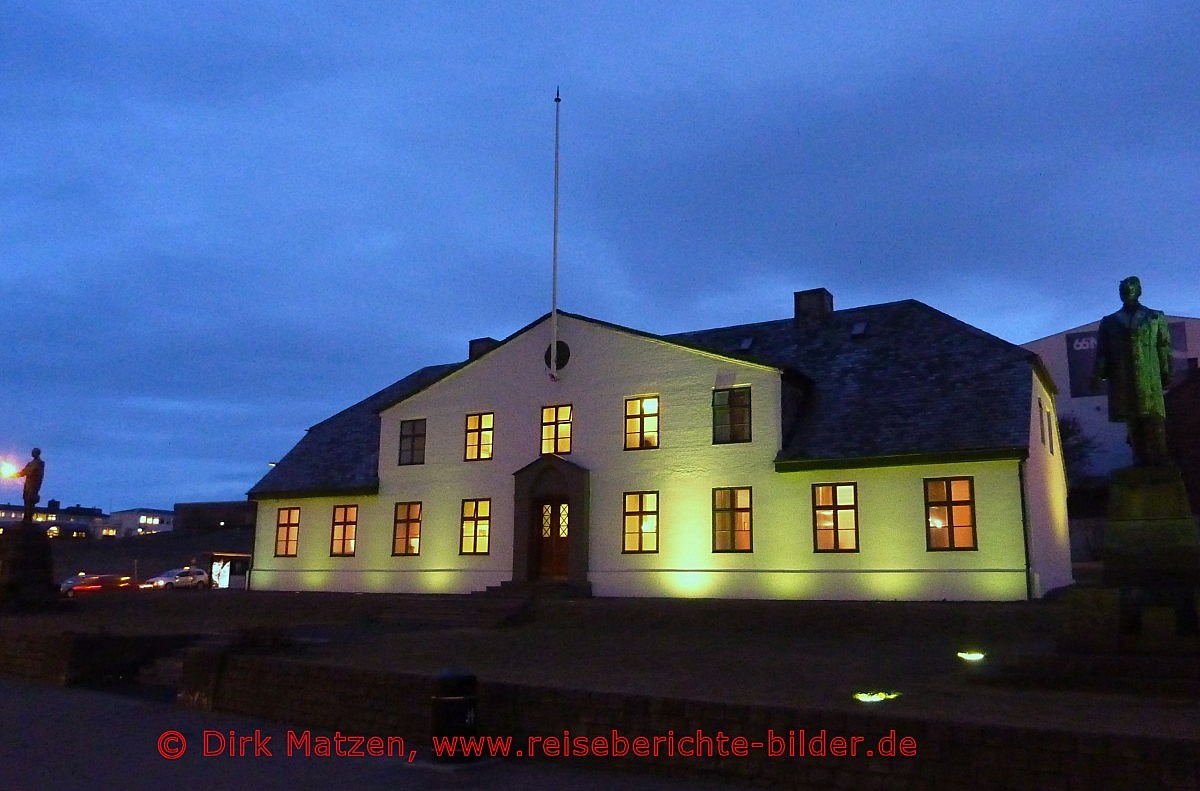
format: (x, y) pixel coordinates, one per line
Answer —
(812, 306)
(477, 347)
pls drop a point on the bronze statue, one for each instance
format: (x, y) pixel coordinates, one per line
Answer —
(33, 473)
(1133, 352)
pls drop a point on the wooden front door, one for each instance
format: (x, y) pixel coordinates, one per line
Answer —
(550, 536)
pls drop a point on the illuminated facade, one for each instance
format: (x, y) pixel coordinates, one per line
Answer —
(884, 452)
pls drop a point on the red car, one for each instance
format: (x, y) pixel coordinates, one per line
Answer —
(88, 584)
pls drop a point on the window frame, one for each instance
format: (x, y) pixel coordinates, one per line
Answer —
(292, 540)
(639, 420)
(483, 436)
(555, 426)
(950, 504)
(640, 513)
(475, 519)
(733, 509)
(408, 443)
(728, 411)
(404, 543)
(835, 508)
(349, 531)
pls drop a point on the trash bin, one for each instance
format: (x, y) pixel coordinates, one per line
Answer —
(454, 709)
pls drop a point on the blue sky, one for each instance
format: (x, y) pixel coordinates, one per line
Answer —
(222, 222)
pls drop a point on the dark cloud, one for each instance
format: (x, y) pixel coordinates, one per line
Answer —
(222, 222)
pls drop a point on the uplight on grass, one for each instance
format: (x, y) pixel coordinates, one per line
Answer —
(971, 656)
(875, 697)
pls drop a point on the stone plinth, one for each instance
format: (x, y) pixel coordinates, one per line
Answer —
(1151, 538)
(26, 568)
(1152, 548)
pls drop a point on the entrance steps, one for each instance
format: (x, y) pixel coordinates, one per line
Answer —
(537, 589)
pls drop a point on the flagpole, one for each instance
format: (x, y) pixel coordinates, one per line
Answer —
(554, 256)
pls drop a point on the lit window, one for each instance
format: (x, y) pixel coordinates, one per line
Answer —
(479, 436)
(287, 532)
(950, 513)
(476, 527)
(835, 517)
(731, 520)
(641, 522)
(406, 536)
(641, 422)
(345, 525)
(412, 441)
(731, 415)
(556, 429)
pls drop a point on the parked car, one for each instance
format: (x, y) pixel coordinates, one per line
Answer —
(87, 584)
(186, 577)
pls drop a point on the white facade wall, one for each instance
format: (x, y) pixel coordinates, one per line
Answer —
(606, 367)
(1045, 491)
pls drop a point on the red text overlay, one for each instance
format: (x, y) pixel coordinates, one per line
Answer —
(690, 744)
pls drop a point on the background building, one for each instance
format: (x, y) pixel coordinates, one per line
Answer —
(1070, 357)
(137, 522)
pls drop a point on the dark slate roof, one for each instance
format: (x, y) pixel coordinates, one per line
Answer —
(892, 380)
(340, 455)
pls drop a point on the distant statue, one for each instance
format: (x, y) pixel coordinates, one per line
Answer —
(33, 473)
(1133, 352)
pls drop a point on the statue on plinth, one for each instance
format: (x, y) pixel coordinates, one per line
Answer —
(34, 473)
(26, 565)
(1133, 353)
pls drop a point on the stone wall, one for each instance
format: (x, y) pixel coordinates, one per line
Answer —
(363, 702)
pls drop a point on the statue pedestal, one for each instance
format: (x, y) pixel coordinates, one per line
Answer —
(26, 568)
(1152, 547)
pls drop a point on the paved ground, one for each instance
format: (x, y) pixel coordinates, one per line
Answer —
(72, 738)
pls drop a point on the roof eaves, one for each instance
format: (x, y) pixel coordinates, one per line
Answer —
(1015, 453)
(321, 491)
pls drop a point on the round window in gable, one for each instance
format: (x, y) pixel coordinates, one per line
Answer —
(564, 355)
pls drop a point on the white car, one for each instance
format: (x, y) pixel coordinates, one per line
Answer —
(186, 577)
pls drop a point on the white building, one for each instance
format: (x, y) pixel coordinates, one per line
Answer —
(136, 522)
(883, 452)
(1070, 356)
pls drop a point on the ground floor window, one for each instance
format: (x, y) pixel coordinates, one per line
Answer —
(345, 525)
(950, 513)
(476, 527)
(406, 533)
(835, 517)
(287, 532)
(641, 522)
(731, 523)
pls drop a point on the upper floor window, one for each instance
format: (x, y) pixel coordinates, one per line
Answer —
(412, 441)
(950, 513)
(731, 415)
(641, 522)
(345, 525)
(479, 436)
(406, 532)
(732, 520)
(835, 517)
(641, 422)
(556, 429)
(287, 532)
(476, 527)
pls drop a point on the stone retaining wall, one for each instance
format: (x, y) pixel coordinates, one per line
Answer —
(76, 657)
(365, 702)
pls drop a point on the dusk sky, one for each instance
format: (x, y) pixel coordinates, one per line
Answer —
(222, 222)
